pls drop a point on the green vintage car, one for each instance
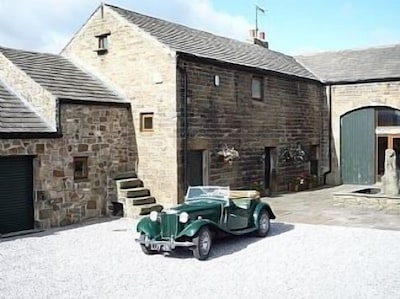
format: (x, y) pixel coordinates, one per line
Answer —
(207, 212)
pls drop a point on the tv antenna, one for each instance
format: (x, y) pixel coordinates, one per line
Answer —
(262, 10)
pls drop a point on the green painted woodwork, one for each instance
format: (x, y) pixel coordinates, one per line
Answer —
(16, 194)
(357, 162)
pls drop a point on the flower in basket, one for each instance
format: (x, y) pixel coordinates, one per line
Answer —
(303, 178)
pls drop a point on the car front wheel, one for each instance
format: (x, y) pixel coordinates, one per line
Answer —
(202, 243)
(145, 249)
(263, 224)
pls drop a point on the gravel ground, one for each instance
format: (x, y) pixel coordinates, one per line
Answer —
(101, 260)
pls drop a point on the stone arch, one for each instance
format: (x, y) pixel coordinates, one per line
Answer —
(377, 105)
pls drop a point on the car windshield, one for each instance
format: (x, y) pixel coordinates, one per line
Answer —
(207, 192)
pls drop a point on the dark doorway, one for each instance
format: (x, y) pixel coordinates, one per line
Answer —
(195, 168)
(387, 142)
(267, 168)
(16, 194)
(314, 160)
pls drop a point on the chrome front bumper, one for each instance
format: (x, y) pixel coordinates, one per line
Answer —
(161, 245)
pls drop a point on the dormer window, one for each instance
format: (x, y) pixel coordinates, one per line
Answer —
(102, 43)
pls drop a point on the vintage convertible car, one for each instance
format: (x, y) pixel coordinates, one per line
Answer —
(206, 212)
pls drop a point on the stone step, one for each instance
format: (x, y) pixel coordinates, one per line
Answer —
(134, 192)
(137, 201)
(125, 175)
(146, 209)
(131, 211)
(130, 183)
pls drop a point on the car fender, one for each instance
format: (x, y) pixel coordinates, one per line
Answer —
(261, 207)
(148, 227)
(191, 229)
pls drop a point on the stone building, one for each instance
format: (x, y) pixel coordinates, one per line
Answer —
(363, 91)
(179, 107)
(196, 97)
(63, 137)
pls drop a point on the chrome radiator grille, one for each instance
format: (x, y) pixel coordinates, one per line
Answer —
(169, 225)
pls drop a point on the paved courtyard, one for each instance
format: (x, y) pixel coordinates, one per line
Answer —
(317, 207)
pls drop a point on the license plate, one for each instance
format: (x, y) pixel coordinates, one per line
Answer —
(155, 247)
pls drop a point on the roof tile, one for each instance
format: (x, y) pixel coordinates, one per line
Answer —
(16, 116)
(354, 65)
(60, 76)
(203, 44)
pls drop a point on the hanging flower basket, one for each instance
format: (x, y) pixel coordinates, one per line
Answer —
(228, 154)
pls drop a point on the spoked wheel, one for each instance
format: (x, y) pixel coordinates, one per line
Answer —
(263, 224)
(202, 243)
(145, 249)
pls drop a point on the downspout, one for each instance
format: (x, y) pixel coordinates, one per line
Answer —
(329, 133)
(185, 122)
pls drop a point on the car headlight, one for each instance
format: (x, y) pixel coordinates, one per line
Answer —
(183, 217)
(153, 216)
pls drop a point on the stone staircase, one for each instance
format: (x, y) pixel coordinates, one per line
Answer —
(135, 199)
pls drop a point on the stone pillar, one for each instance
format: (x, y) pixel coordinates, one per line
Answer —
(390, 178)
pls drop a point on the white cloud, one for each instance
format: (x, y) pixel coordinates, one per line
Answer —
(47, 25)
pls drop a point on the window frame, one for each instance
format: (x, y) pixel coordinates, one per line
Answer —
(143, 117)
(261, 81)
(102, 43)
(85, 169)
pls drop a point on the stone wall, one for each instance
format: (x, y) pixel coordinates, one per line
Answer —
(377, 202)
(293, 111)
(346, 98)
(144, 71)
(105, 135)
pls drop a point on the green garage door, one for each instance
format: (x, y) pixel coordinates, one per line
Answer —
(16, 194)
(358, 147)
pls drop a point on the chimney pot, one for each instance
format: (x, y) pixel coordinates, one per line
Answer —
(252, 33)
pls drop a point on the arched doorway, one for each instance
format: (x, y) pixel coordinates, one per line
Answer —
(357, 147)
(365, 134)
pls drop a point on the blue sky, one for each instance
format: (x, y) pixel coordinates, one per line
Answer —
(291, 26)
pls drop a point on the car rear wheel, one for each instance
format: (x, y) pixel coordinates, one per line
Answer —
(263, 224)
(202, 243)
(145, 249)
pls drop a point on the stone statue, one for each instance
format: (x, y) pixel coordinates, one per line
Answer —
(390, 179)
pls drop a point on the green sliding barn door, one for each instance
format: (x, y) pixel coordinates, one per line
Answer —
(358, 147)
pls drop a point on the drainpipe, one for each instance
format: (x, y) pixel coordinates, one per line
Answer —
(185, 122)
(329, 133)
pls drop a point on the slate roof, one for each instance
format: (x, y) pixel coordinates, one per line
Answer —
(354, 65)
(203, 44)
(16, 116)
(60, 77)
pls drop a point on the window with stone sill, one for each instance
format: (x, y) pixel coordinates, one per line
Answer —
(80, 168)
(257, 92)
(146, 122)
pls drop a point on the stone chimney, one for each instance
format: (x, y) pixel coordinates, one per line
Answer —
(258, 38)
